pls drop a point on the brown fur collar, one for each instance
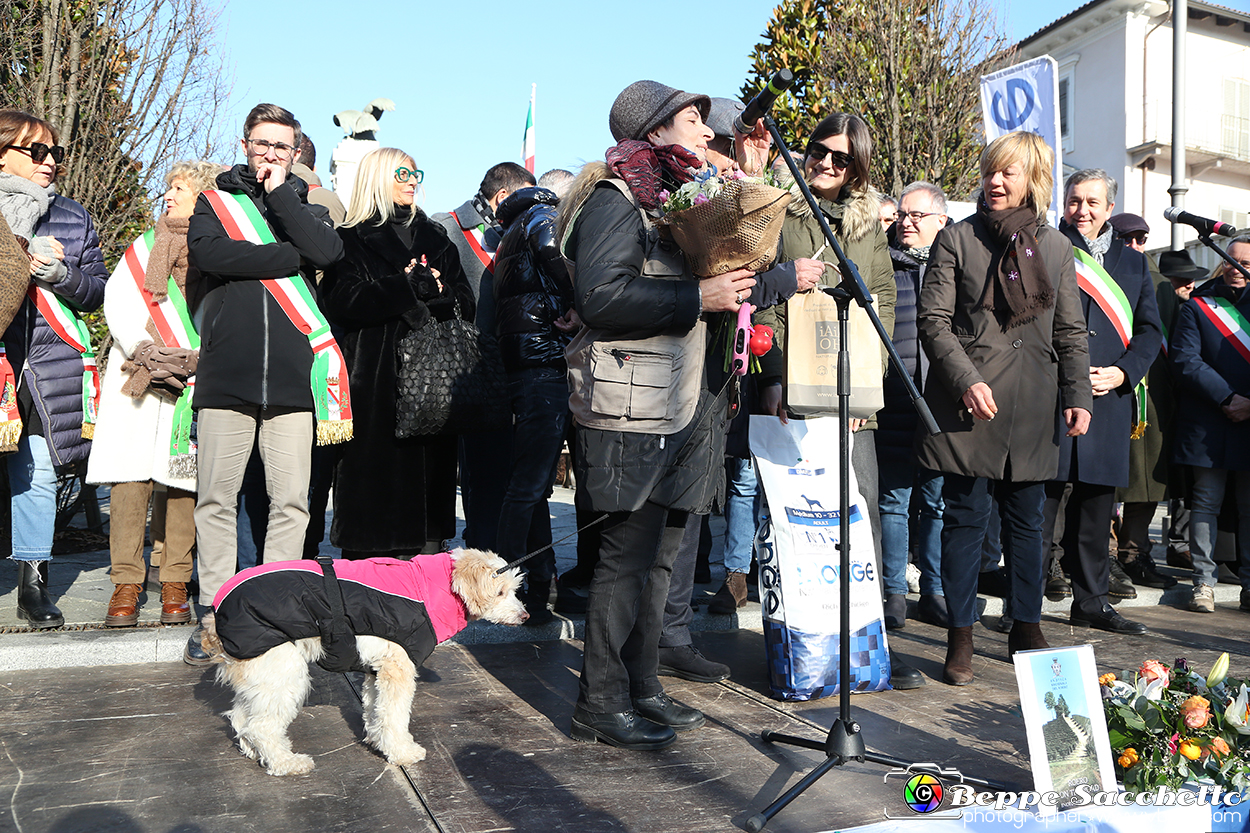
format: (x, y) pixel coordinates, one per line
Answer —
(859, 209)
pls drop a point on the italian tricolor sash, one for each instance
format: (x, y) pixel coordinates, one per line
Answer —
(173, 324)
(1229, 321)
(332, 401)
(476, 238)
(73, 331)
(10, 419)
(1106, 293)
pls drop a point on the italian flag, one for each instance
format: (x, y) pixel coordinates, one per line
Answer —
(527, 146)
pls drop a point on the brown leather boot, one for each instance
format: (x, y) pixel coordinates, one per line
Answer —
(731, 596)
(1025, 636)
(124, 606)
(175, 609)
(958, 668)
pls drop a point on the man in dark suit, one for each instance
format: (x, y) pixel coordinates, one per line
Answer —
(1117, 297)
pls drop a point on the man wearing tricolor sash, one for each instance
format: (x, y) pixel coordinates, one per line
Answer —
(1210, 350)
(1118, 299)
(269, 370)
(476, 234)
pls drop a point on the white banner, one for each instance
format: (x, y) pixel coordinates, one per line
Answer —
(1026, 97)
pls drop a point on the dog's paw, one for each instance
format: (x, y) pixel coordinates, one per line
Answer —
(290, 765)
(247, 749)
(406, 755)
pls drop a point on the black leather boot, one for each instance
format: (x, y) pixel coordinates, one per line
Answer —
(33, 603)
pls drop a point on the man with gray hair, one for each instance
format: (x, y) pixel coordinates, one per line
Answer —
(921, 215)
(1118, 299)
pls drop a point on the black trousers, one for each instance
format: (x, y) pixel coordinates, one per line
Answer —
(626, 608)
(1085, 539)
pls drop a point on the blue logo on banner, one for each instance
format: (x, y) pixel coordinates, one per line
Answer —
(811, 517)
(805, 471)
(1014, 116)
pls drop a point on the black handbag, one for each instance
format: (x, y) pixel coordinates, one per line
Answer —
(450, 380)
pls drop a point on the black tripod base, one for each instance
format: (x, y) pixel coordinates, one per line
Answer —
(844, 743)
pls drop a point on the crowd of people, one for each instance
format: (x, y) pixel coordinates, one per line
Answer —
(254, 334)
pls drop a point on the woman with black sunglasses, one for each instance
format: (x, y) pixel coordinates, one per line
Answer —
(50, 358)
(835, 165)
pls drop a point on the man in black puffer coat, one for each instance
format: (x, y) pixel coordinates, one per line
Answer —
(533, 319)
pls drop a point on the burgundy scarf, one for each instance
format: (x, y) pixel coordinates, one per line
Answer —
(1020, 289)
(648, 169)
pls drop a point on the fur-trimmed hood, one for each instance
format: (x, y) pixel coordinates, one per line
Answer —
(856, 212)
(591, 174)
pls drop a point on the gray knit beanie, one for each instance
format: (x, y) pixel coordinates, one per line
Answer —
(645, 105)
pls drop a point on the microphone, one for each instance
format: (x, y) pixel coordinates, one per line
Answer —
(760, 105)
(1204, 226)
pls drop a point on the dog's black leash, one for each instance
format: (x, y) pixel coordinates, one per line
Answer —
(711, 410)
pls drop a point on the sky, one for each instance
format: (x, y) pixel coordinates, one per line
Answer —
(460, 74)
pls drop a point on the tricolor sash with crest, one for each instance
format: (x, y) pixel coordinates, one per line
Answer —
(331, 399)
(71, 329)
(1095, 282)
(173, 323)
(476, 238)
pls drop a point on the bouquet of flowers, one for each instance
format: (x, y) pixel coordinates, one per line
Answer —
(1171, 726)
(726, 222)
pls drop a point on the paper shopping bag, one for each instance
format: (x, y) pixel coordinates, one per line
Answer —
(811, 380)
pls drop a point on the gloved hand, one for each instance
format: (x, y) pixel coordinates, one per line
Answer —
(54, 270)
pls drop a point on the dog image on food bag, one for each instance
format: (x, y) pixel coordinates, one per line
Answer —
(382, 616)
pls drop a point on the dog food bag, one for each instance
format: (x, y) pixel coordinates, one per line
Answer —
(800, 564)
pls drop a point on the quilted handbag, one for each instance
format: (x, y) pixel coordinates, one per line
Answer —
(450, 381)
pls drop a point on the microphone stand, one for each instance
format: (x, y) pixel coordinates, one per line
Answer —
(845, 741)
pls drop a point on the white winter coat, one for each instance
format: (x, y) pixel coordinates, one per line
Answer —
(131, 440)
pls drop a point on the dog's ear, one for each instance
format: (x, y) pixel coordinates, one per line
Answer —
(473, 579)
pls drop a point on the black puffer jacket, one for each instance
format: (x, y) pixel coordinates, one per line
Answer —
(533, 286)
(251, 353)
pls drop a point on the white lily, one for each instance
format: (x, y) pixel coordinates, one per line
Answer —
(1152, 690)
(1218, 671)
(1237, 714)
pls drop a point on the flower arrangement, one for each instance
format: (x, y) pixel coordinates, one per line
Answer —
(726, 221)
(1172, 726)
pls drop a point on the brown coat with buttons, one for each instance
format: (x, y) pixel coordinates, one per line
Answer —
(1033, 370)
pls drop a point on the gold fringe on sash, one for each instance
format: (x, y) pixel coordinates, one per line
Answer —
(332, 432)
(10, 433)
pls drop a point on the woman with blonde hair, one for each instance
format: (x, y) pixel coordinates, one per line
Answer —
(1000, 318)
(142, 442)
(398, 273)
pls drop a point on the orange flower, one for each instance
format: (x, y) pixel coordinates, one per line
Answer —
(1128, 759)
(1216, 746)
(1106, 679)
(1152, 670)
(1196, 712)
(1190, 749)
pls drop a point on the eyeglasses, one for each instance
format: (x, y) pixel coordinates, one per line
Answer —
(817, 151)
(916, 216)
(262, 147)
(1138, 237)
(402, 175)
(38, 152)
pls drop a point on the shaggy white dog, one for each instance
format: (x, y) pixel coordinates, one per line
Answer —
(270, 689)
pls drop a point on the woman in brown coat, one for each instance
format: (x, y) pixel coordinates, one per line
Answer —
(1000, 318)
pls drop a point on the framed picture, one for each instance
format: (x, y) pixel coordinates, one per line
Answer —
(1067, 732)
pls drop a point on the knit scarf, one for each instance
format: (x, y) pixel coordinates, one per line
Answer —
(920, 254)
(488, 217)
(648, 169)
(1100, 245)
(1019, 289)
(167, 258)
(22, 203)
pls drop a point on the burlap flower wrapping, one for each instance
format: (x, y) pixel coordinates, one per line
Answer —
(737, 229)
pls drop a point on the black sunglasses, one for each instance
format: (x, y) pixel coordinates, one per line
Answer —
(38, 152)
(818, 152)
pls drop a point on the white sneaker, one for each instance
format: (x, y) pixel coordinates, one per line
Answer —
(913, 579)
(1203, 599)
